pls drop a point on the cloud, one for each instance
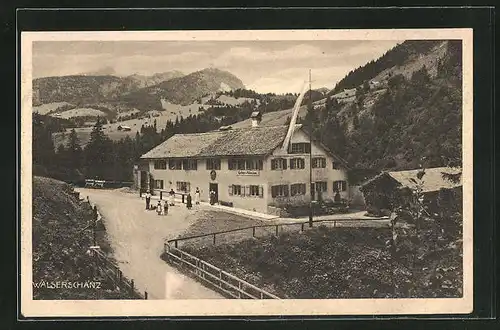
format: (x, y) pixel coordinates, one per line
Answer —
(265, 66)
(249, 54)
(291, 80)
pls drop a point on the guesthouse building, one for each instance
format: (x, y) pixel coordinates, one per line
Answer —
(248, 168)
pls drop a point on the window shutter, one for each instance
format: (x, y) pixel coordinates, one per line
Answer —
(273, 164)
(285, 190)
(247, 190)
(261, 191)
(284, 163)
(273, 191)
(230, 190)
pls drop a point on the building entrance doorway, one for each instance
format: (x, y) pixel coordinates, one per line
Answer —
(215, 188)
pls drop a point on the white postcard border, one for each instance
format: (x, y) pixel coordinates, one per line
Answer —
(199, 307)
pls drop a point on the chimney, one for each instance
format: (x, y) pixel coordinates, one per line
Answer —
(256, 118)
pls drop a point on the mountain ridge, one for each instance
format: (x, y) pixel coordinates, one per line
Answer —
(134, 91)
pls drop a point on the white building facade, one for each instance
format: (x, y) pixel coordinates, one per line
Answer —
(248, 168)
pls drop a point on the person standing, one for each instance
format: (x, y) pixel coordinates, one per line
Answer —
(337, 198)
(189, 204)
(197, 196)
(171, 197)
(148, 199)
(212, 197)
(165, 208)
(158, 208)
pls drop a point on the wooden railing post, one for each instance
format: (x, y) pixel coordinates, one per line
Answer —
(302, 227)
(145, 295)
(132, 284)
(253, 231)
(214, 238)
(276, 230)
(175, 244)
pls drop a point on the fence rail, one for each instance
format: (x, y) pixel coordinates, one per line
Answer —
(268, 229)
(216, 277)
(113, 272)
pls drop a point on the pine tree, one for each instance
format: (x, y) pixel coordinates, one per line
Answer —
(98, 152)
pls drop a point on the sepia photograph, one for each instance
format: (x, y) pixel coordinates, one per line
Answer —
(285, 172)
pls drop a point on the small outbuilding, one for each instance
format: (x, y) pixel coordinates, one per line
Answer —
(389, 188)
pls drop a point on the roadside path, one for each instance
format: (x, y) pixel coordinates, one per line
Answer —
(136, 236)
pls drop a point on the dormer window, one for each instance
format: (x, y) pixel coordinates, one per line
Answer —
(300, 148)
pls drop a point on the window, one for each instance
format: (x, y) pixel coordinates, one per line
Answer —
(297, 163)
(320, 186)
(254, 164)
(297, 189)
(213, 164)
(339, 186)
(252, 190)
(300, 148)
(160, 164)
(279, 191)
(232, 164)
(158, 184)
(183, 186)
(335, 166)
(278, 164)
(319, 162)
(190, 164)
(245, 164)
(241, 164)
(237, 191)
(175, 164)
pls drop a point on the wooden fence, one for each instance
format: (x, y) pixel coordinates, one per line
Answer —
(215, 277)
(269, 229)
(221, 280)
(113, 272)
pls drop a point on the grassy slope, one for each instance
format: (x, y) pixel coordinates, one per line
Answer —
(342, 263)
(60, 244)
(216, 221)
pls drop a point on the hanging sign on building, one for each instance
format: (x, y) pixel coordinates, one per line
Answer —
(248, 173)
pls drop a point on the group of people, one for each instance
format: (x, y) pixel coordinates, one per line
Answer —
(162, 206)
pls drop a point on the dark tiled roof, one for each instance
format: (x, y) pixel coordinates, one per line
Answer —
(260, 140)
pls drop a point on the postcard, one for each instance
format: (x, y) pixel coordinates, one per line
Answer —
(246, 173)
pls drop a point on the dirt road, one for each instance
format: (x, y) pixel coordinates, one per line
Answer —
(137, 235)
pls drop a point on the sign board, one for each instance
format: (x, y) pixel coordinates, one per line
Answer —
(248, 173)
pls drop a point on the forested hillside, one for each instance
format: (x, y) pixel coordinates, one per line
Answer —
(411, 122)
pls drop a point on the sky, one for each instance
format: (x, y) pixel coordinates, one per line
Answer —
(264, 66)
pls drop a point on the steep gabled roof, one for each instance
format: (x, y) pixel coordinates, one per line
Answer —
(254, 141)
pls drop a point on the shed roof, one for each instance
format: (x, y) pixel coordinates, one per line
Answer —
(433, 179)
(260, 140)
